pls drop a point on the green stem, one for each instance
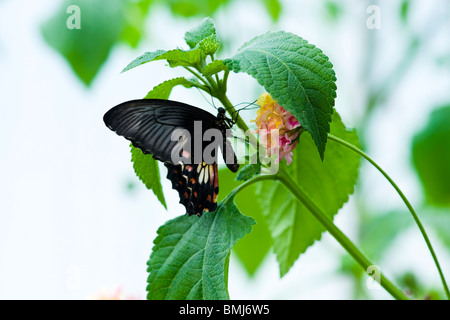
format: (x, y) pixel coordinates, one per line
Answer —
(197, 76)
(405, 200)
(225, 80)
(252, 181)
(231, 111)
(216, 75)
(343, 240)
(214, 86)
(346, 243)
(201, 87)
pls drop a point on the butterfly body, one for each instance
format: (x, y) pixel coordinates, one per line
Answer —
(150, 124)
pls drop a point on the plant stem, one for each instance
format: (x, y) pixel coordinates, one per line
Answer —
(197, 76)
(343, 240)
(225, 80)
(231, 111)
(407, 203)
(252, 181)
(216, 75)
(346, 243)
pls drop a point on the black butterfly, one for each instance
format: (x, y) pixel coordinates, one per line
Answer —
(149, 125)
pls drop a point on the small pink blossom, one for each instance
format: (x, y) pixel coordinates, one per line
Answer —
(271, 116)
(116, 294)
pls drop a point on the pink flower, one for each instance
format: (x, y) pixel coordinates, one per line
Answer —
(271, 116)
(117, 294)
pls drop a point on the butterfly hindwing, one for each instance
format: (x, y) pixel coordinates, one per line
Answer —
(197, 185)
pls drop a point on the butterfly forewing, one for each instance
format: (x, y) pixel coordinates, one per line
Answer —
(149, 123)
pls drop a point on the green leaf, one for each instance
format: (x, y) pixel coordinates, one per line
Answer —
(328, 183)
(297, 74)
(443, 60)
(198, 34)
(404, 10)
(147, 170)
(86, 49)
(431, 157)
(214, 67)
(176, 57)
(163, 90)
(273, 8)
(248, 172)
(189, 8)
(146, 57)
(203, 37)
(416, 287)
(253, 248)
(379, 231)
(333, 9)
(439, 220)
(134, 16)
(190, 253)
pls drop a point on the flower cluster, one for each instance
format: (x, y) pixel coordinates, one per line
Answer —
(271, 116)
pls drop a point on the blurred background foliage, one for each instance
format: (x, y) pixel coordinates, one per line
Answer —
(376, 230)
(87, 49)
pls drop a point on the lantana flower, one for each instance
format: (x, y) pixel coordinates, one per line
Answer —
(271, 116)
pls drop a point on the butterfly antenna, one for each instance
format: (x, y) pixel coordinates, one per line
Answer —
(235, 114)
(212, 99)
(248, 106)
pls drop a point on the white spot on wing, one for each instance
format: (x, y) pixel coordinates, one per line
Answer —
(202, 174)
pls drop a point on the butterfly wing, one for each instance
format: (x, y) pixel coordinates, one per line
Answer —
(149, 124)
(229, 157)
(197, 185)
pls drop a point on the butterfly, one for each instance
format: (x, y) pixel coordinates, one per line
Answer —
(152, 124)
